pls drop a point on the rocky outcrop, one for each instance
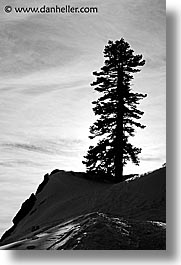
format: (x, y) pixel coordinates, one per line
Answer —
(27, 206)
(43, 184)
(25, 209)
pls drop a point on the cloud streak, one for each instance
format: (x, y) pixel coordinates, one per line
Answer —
(27, 147)
(150, 159)
(19, 162)
(58, 147)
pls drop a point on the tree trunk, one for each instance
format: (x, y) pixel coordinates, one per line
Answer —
(119, 129)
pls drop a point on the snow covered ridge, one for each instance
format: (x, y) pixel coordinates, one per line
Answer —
(78, 212)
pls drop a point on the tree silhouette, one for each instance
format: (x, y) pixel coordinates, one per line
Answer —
(116, 110)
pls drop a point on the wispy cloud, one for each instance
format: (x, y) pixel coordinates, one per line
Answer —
(19, 162)
(27, 147)
(150, 159)
(60, 146)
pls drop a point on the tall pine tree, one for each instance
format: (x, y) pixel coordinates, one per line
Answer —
(117, 112)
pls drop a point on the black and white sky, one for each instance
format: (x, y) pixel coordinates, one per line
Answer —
(46, 69)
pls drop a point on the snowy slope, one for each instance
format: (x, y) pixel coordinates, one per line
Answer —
(67, 195)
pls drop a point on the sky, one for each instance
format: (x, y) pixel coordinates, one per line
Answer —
(46, 69)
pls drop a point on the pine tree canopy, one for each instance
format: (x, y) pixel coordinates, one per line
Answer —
(116, 111)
